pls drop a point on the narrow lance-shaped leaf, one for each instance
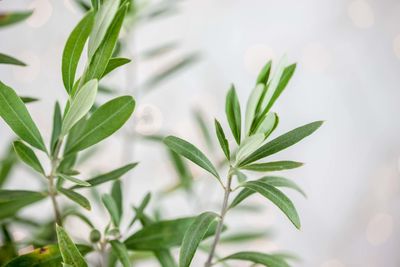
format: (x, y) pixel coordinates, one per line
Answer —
(169, 71)
(272, 166)
(271, 180)
(190, 152)
(9, 18)
(276, 197)
(263, 76)
(105, 121)
(6, 59)
(109, 176)
(268, 124)
(27, 155)
(28, 99)
(48, 256)
(57, 124)
(69, 251)
(248, 146)
(103, 20)
(162, 235)
(116, 194)
(74, 180)
(73, 50)
(268, 260)
(16, 115)
(284, 80)
(121, 252)
(11, 201)
(233, 114)
(101, 57)
(158, 50)
(251, 106)
(194, 235)
(76, 197)
(223, 142)
(80, 105)
(284, 141)
(115, 63)
(201, 122)
(273, 84)
(112, 209)
(182, 170)
(7, 164)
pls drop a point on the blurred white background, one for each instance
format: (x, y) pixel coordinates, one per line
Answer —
(348, 55)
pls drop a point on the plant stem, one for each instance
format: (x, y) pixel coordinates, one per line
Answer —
(224, 210)
(52, 188)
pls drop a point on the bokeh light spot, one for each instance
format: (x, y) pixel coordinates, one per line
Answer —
(379, 229)
(361, 13)
(42, 11)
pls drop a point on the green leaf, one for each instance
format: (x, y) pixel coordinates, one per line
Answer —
(116, 193)
(245, 236)
(139, 211)
(28, 99)
(6, 59)
(73, 180)
(48, 256)
(282, 182)
(251, 106)
(15, 114)
(263, 76)
(222, 140)
(272, 95)
(161, 235)
(121, 252)
(271, 180)
(112, 209)
(9, 18)
(76, 197)
(115, 63)
(273, 166)
(248, 146)
(190, 152)
(105, 121)
(7, 164)
(101, 57)
(268, 260)
(284, 141)
(11, 201)
(103, 20)
(80, 105)
(170, 70)
(27, 155)
(194, 235)
(232, 109)
(182, 170)
(109, 176)
(57, 124)
(201, 122)
(73, 50)
(276, 197)
(158, 50)
(69, 251)
(268, 124)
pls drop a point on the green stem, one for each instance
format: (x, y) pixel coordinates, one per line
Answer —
(52, 187)
(224, 210)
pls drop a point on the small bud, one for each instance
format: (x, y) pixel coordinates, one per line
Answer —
(95, 236)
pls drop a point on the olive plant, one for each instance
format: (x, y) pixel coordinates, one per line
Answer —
(76, 127)
(80, 123)
(252, 145)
